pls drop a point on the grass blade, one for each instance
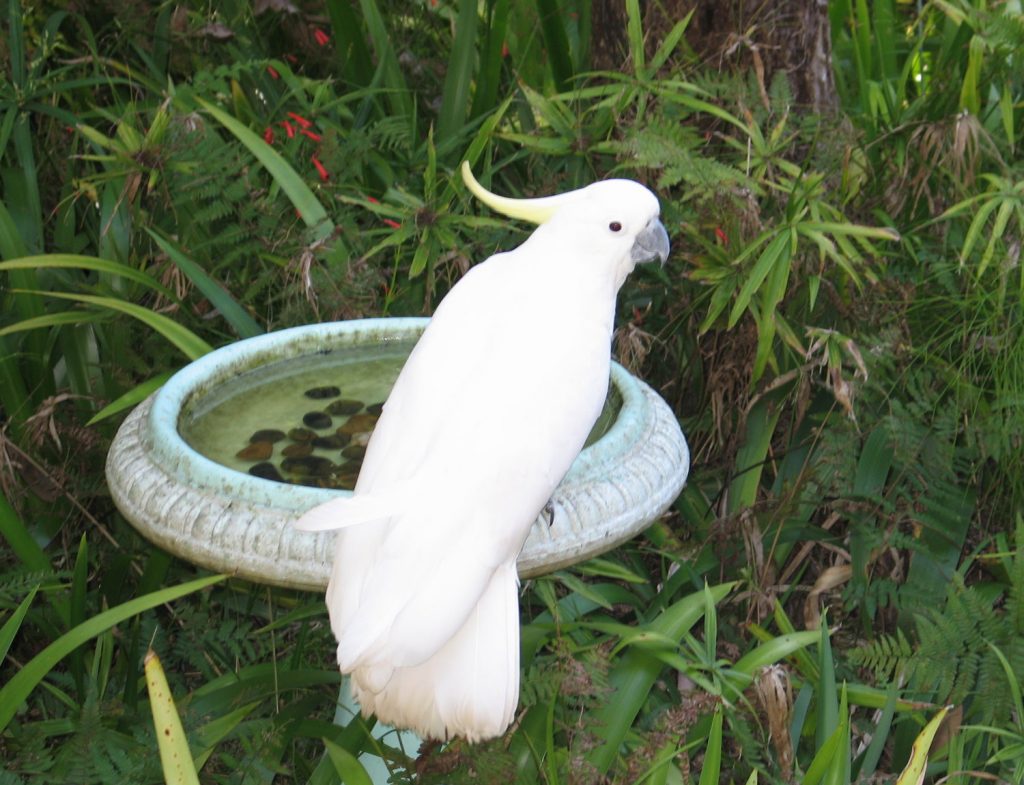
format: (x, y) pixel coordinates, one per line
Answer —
(235, 314)
(132, 397)
(187, 341)
(21, 541)
(75, 262)
(460, 73)
(556, 42)
(15, 691)
(913, 773)
(175, 757)
(346, 765)
(634, 676)
(294, 187)
(713, 752)
(13, 624)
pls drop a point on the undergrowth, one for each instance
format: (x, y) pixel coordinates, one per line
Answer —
(838, 330)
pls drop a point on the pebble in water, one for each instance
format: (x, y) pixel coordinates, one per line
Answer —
(297, 450)
(344, 406)
(266, 471)
(267, 435)
(333, 442)
(310, 466)
(317, 420)
(354, 452)
(320, 393)
(361, 439)
(347, 476)
(257, 451)
(375, 408)
(301, 435)
(359, 423)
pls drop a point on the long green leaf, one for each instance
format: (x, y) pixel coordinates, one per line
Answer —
(913, 773)
(389, 70)
(350, 49)
(13, 624)
(713, 751)
(132, 397)
(751, 456)
(175, 756)
(460, 72)
(309, 207)
(773, 254)
(57, 319)
(233, 313)
(187, 341)
(20, 540)
(555, 42)
(15, 691)
(59, 261)
(347, 767)
(635, 674)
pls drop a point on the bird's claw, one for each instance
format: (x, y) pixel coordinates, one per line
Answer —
(549, 513)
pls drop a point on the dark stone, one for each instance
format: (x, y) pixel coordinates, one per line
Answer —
(297, 450)
(257, 451)
(333, 442)
(266, 471)
(301, 435)
(309, 466)
(344, 406)
(360, 423)
(354, 452)
(318, 420)
(375, 408)
(320, 393)
(267, 435)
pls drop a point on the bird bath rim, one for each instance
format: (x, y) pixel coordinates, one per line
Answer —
(227, 520)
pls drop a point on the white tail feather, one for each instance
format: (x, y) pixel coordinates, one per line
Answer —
(470, 687)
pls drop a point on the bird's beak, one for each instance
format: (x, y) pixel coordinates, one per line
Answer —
(651, 244)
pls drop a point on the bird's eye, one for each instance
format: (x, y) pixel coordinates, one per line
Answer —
(615, 226)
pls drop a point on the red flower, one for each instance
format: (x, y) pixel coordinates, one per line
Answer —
(723, 238)
(320, 169)
(273, 72)
(321, 37)
(392, 224)
(289, 128)
(268, 135)
(300, 120)
(504, 49)
(371, 199)
(310, 134)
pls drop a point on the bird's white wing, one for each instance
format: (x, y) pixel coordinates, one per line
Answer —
(462, 480)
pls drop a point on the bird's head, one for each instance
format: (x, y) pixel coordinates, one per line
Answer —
(617, 217)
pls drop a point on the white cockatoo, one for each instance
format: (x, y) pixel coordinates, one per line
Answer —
(492, 407)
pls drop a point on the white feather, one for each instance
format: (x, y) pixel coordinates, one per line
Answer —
(489, 412)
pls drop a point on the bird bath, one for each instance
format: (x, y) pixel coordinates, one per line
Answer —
(229, 521)
(223, 518)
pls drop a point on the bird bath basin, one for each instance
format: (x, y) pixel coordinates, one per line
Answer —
(214, 513)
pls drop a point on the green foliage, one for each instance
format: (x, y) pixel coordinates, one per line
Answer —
(839, 329)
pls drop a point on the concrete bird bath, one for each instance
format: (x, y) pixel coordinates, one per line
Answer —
(228, 521)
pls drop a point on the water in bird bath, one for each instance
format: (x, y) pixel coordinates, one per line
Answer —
(307, 420)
